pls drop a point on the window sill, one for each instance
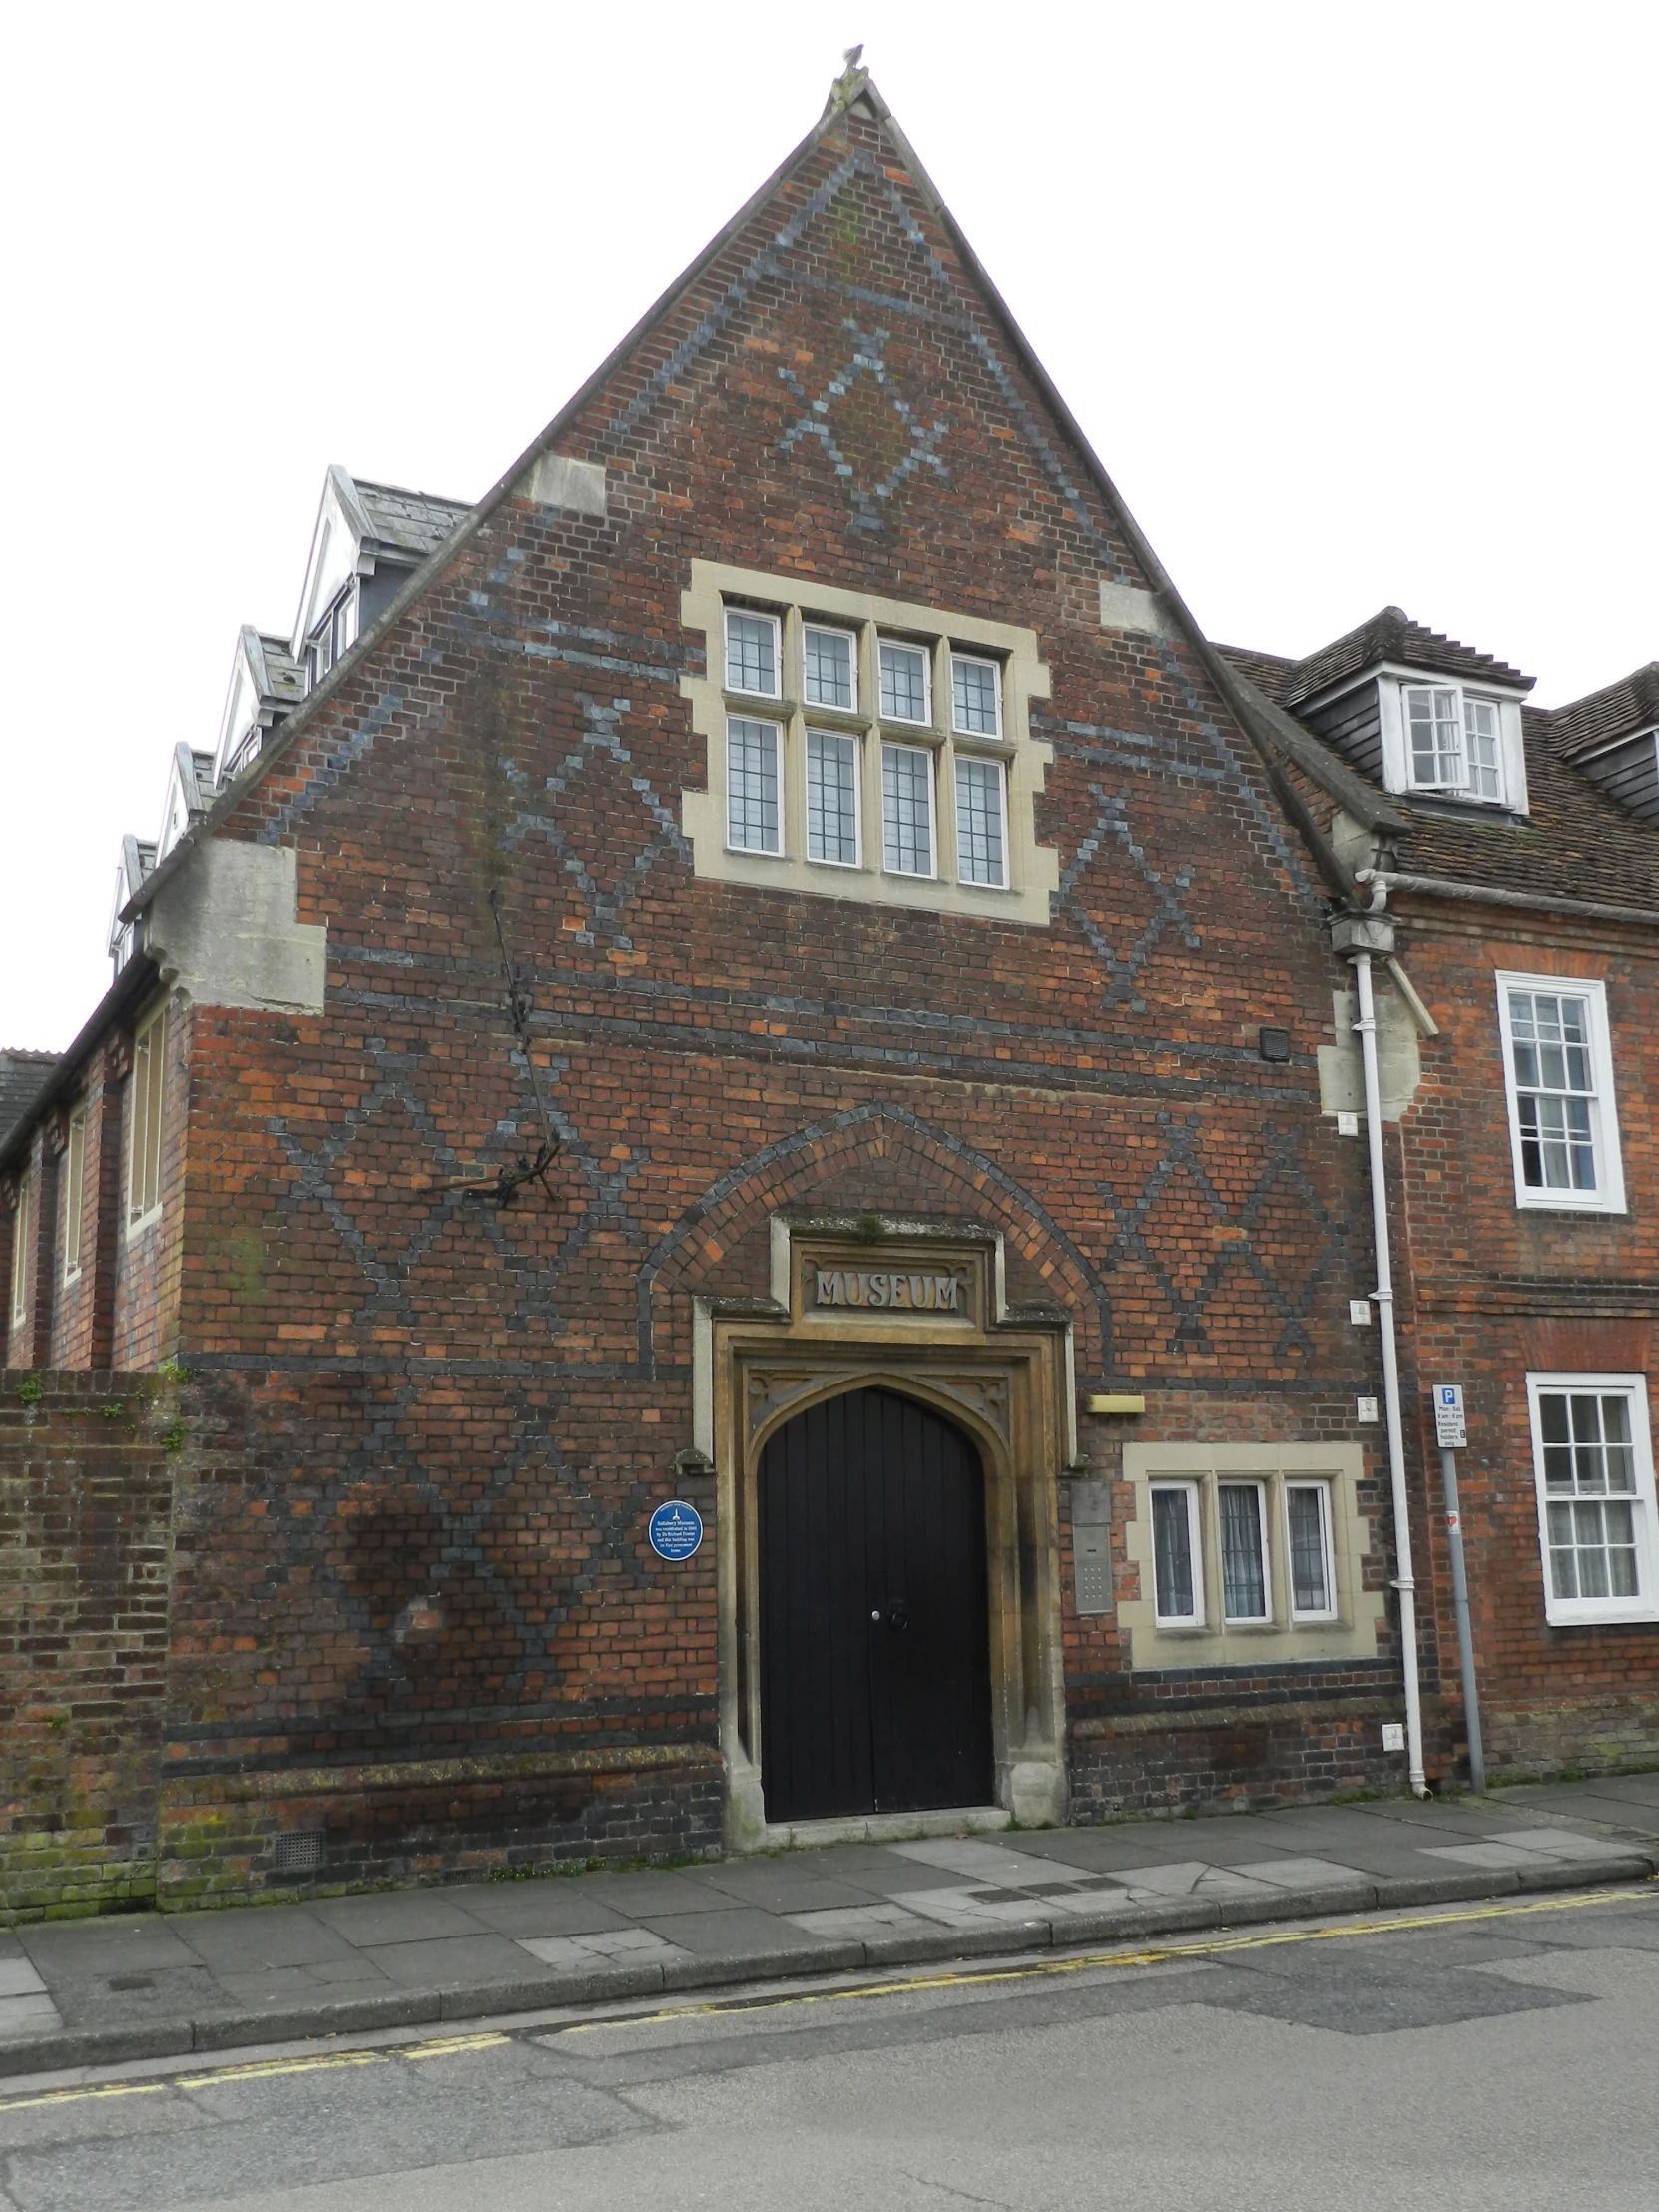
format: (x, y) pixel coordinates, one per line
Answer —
(1564, 1209)
(1622, 1616)
(1457, 804)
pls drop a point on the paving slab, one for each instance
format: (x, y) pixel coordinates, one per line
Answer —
(734, 1934)
(560, 1905)
(405, 1917)
(240, 1941)
(442, 1961)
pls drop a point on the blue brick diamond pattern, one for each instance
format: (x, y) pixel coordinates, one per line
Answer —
(1181, 1157)
(1111, 834)
(815, 422)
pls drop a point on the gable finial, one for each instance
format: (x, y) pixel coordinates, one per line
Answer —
(849, 84)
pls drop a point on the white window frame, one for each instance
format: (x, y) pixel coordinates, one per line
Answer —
(855, 746)
(1461, 698)
(904, 722)
(75, 1163)
(775, 729)
(1398, 761)
(1604, 1118)
(976, 660)
(20, 1247)
(743, 691)
(1581, 1611)
(1328, 1611)
(830, 630)
(147, 1123)
(978, 759)
(930, 873)
(1197, 1618)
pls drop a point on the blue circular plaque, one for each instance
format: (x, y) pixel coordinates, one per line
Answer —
(675, 1529)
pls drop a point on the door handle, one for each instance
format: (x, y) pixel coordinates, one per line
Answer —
(898, 1615)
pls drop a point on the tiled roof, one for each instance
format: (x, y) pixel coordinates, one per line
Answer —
(1391, 636)
(1271, 672)
(1618, 711)
(412, 521)
(1576, 843)
(21, 1077)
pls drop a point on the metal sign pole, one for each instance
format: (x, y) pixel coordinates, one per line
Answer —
(1450, 1431)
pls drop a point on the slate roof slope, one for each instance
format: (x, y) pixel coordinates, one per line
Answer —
(22, 1078)
(1576, 843)
(410, 521)
(284, 679)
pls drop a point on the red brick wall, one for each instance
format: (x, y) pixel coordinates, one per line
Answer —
(1498, 1291)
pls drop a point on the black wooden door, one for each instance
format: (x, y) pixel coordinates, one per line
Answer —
(875, 1653)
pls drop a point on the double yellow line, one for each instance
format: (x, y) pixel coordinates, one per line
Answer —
(1042, 1969)
(257, 2069)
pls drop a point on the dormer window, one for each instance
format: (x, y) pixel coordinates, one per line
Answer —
(1444, 740)
(1455, 741)
(333, 637)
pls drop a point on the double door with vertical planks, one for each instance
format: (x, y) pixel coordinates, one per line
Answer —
(875, 1650)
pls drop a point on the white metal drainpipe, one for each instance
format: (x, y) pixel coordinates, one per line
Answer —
(1384, 1294)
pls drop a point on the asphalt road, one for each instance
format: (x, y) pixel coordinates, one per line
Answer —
(1470, 2058)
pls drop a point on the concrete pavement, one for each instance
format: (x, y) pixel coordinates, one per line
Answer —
(75, 1993)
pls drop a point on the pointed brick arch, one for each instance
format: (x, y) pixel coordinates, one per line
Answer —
(952, 1178)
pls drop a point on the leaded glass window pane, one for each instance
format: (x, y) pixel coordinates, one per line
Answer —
(906, 810)
(1549, 1038)
(831, 798)
(976, 702)
(1172, 1553)
(903, 683)
(1244, 1588)
(751, 786)
(828, 662)
(980, 849)
(751, 653)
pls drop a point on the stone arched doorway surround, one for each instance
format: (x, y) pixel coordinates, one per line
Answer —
(916, 1307)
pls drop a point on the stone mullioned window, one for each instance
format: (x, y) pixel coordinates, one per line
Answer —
(866, 747)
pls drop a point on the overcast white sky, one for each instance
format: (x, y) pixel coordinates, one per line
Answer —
(1358, 304)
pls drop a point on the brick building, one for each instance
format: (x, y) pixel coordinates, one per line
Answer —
(1517, 852)
(903, 1135)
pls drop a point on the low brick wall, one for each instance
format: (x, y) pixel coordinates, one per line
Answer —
(1252, 1757)
(86, 1497)
(198, 1703)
